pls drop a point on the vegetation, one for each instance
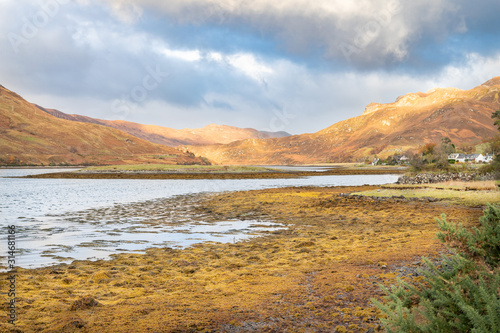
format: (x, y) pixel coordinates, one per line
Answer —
(178, 168)
(460, 295)
(432, 157)
(495, 143)
(462, 193)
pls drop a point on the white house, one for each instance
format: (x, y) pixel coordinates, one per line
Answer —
(488, 158)
(479, 158)
(476, 158)
(461, 158)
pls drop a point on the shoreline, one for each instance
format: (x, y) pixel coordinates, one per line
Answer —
(318, 274)
(215, 175)
(41, 167)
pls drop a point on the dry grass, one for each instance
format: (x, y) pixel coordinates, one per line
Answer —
(317, 276)
(462, 193)
(452, 185)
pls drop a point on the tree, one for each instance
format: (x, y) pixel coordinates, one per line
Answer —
(447, 146)
(460, 295)
(496, 117)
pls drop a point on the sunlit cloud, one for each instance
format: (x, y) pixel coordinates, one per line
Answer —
(247, 64)
(183, 55)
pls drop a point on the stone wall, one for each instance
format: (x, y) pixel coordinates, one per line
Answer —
(429, 178)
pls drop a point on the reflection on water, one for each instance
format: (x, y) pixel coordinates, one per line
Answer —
(64, 219)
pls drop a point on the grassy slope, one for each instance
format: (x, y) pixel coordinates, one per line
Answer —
(33, 137)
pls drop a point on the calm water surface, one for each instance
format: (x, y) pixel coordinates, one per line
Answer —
(58, 220)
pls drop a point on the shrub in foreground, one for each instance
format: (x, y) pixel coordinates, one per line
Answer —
(462, 294)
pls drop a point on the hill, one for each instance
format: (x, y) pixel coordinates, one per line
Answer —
(30, 136)
(382, 130)
(210, 134)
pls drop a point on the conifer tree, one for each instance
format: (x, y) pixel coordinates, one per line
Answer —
(460, 295)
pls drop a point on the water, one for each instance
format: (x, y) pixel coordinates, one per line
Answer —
(58, 220)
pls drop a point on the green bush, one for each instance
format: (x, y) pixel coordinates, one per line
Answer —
(460, 295)
(481, 244)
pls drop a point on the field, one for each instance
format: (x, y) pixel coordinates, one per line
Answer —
(462, 193)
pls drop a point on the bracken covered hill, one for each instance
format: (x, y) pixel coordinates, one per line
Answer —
(382, 130)
(30, 136)
(210, 134)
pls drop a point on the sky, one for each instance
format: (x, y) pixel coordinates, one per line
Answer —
(283, 65)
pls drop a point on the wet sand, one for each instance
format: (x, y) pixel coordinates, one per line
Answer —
(315, 276)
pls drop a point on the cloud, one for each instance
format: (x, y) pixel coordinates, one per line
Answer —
(126, 11)
(364, 34)
(243, 63)
(193, 55)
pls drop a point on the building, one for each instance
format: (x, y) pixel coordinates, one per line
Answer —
(461, 158)
(403, 158)
(479, 158)
(488, 158)
(475, 158)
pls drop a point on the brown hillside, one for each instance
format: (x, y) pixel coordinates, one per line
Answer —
(30, 136)
(210, 134)
(383, 129)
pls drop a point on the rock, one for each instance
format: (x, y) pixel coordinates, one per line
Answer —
(430, 178)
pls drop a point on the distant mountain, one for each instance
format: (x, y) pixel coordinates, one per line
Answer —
(210, 134)
(30, 136)
(382, 130)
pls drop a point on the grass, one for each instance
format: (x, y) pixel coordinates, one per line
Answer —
(178, 168)
(452, 185)
(462, 193)
(359, 165)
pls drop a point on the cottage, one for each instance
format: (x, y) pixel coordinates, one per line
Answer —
(461, 158)
(471, 157)
(488, 158)
(479, 158)
(375, 161)
(475, 158)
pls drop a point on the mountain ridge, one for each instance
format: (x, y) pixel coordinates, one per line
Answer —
(40, 135)
(381, 130)
(209, 134)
